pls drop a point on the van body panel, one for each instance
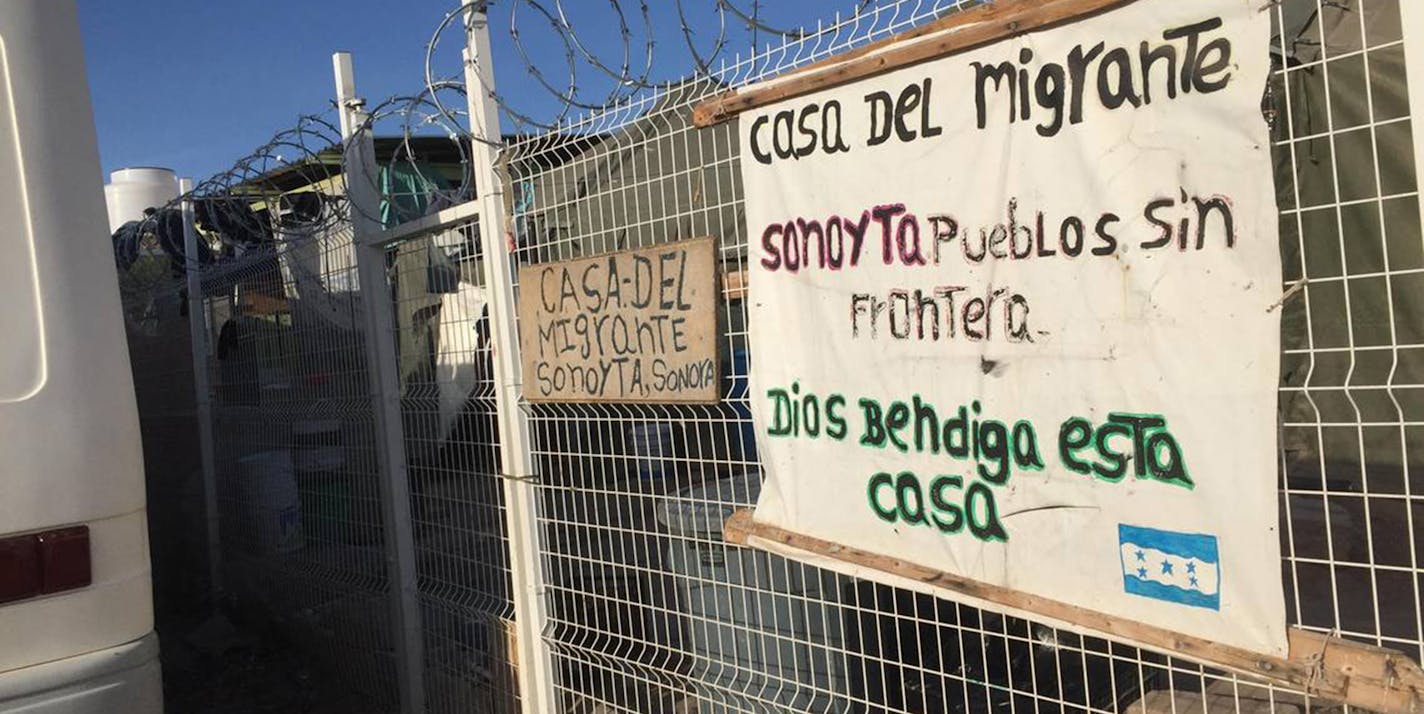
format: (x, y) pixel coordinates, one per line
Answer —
(115, 609)
(119, 680)
(70, 447)
(69, 426)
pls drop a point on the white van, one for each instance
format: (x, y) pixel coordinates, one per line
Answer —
(76, 612)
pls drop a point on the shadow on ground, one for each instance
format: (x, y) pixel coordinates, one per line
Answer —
(215, 667)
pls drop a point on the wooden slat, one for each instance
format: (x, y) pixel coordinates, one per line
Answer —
(953, 33)
(1378, 679)
(257, 303)
(734, 285)
(1327, 667)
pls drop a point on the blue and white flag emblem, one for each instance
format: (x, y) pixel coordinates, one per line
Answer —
(1176, 567)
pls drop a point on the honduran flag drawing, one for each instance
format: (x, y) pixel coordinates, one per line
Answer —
(1181, 568)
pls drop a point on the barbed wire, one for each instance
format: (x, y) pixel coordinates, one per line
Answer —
(605, 57)
(595, 58)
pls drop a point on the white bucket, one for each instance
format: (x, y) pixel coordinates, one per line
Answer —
(270, 503)
(317, 445)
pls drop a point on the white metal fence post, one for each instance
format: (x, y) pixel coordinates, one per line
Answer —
(536, 680)
(202, 387)
(359, 165)
(1411, 16)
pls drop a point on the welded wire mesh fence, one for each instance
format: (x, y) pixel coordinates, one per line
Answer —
(452, 437)
(1351, 397)
(643, 607)
(300, 519)
(684, 616)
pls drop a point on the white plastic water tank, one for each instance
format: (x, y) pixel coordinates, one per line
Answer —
(132, 191)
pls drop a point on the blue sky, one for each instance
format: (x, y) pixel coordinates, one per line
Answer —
(195, 84)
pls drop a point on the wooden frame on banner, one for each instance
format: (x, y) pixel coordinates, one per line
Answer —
(1319, 665)
(951, 34)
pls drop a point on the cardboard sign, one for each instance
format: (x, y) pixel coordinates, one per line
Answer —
(1014, 317)
(636, 326)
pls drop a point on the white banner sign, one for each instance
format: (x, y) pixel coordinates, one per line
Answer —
(1014, 317)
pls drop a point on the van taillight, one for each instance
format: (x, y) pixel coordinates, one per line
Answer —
(19, 568)
(44, 563)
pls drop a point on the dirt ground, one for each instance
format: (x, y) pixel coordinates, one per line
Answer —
(242, 672)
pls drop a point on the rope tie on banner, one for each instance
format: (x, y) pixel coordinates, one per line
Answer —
(536, 479)
(1295, 289)
(1316, 663)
